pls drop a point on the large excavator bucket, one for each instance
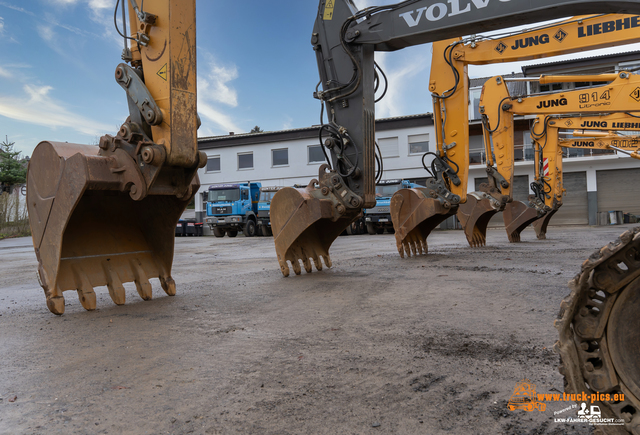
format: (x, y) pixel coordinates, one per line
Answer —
(474, 215)
(517, 216)
(304, 227)
(414, 215)
(88, 233)
(540, 224)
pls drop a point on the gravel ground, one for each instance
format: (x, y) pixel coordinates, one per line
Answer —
(375, 345)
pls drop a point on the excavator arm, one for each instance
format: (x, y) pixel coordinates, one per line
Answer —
(105, 215)
(306, 221)
(595, 132)
(449, 86)
(499, 107)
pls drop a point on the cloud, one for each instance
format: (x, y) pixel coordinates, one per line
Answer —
(46, 33)
(38, 107)
(288, 123)
(406, 72)
(214, 86)
(16, 8)
(215, 90)
(1, 25)
(4, 73)
(221, 120)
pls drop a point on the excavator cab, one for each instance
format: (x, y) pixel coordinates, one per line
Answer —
(105, 215)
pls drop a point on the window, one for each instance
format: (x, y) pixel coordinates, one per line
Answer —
(315, 154)
(280, 157)
(476, 150)
(518, 146)
(389, 147)
(213, 164)
(245, 160)
(222, 195)
(418, 144)
(551, 87)
(474, 106)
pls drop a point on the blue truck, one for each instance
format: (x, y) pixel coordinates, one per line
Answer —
(232, 208)
(378, 218)
(264, 207)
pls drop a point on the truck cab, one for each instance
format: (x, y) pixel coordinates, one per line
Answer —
(378, 219)
(232, 208)
(264, 207)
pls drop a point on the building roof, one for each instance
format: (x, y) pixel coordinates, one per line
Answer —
(231, 140)
(585, 62)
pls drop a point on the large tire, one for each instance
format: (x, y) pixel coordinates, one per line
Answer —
(249, 229)
(232, 233)
(218, 232)
(370, 228)
(391, 230)
(350, 230)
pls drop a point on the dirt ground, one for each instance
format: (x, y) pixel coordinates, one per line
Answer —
(374, 345)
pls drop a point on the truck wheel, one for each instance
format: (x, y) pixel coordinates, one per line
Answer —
(218, 232)
(250, 229)
(370, 228)
(391, 230)
(379, 230)
(232, 233)
(267, 231)
(259, 231)
(350, 230)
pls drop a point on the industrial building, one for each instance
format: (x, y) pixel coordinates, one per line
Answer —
(595, 180)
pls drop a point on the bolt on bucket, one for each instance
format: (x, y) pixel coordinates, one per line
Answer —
(517, 216)
(89, 231)
(414, 214)
(305, 222)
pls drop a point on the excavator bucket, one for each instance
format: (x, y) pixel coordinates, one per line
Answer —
(88, 232)
(517, 216)
(414, 215)
(304, 226)
(540, 224)
(474, 215)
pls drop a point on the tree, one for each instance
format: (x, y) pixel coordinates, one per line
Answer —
(13, 169)
(256, 129)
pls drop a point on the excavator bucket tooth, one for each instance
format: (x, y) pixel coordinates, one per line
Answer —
(304, 227)
(474, 215)
(88, 233)
(414, 216)
(540, 224)
(517, 216)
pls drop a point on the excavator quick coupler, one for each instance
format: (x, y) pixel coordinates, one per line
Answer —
(415, 213)
(305, 222)
(95, 222)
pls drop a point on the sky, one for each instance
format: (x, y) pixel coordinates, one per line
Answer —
(256, 67)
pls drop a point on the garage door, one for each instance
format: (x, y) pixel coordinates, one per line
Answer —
(520, 193)
(619, 189)
(575, 208)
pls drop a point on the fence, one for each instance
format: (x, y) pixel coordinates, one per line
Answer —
(14, 219)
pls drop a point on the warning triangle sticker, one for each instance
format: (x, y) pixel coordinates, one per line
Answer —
(163, 72)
